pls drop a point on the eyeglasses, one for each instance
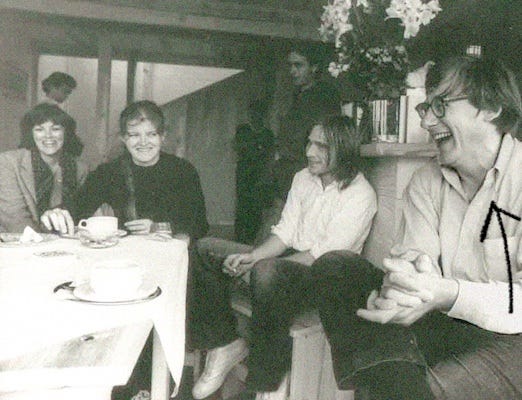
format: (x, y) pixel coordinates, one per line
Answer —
(437, 105)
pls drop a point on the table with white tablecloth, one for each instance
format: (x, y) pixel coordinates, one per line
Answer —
(35, 318)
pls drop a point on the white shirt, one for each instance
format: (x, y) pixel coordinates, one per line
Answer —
(321, 220)
(440, 221)
(52, 102)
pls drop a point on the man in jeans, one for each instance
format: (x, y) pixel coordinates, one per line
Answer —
(443, 318)
(329, 207)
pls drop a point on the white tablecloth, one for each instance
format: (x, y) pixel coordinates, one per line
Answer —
(33, 317)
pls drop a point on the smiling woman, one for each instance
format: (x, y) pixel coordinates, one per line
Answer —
(146, 187)
(43, 175)
(143, 142)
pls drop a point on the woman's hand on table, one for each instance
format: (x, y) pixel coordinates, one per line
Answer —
(59, 220)
(139, 226)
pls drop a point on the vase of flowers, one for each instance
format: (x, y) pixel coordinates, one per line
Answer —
(370, 40)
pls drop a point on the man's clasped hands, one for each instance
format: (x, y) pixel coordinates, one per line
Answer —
(409, 291)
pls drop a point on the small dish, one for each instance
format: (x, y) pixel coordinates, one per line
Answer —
(99, 244)
(13, 240)
(119, 233)
(84, 293)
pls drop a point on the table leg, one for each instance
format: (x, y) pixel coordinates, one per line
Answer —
(160, 389)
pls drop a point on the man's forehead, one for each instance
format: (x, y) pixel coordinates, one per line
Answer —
(317, 135)
(447, 87)
(139, 122)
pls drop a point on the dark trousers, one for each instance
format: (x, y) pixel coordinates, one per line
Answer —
(436, 357)
(280, 289)
(211, 321)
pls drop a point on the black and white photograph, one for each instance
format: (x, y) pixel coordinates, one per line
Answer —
(260, 200)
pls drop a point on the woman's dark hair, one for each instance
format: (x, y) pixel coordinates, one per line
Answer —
(142, 110)
(57, 79)
(344, 142)
(48, 112)
(488, 83)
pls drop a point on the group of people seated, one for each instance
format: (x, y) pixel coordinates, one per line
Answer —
(45, 186)
(441, 318)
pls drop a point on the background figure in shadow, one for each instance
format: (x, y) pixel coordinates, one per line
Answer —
(254, 145)
(57, 88)
(311, 99)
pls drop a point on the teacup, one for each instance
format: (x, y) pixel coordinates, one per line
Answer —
(116, 278)
(99, 228)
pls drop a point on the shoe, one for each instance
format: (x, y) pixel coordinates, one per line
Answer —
(218, 364)
(279, 394)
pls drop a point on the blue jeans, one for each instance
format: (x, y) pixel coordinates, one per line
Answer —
(437, 357)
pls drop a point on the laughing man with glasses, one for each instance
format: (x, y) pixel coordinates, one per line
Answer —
(442, 317)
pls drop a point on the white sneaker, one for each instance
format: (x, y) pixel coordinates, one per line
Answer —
(279, 394)
(218, 364)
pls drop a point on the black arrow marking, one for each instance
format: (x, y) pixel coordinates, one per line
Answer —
(498, 211)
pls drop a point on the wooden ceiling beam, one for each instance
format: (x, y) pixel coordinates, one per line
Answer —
(282, 24)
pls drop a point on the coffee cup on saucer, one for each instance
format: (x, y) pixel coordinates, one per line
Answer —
(99, 229)
(118, 278)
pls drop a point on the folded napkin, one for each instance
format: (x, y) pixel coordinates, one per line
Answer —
(30, 236)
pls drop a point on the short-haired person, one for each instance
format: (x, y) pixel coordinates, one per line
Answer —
(40, 180)
(442, 319)
(329, 207)
(146, 186)
(57, 87)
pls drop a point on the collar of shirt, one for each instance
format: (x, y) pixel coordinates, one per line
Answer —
(504, 155)
(316, 180)
(496, 172)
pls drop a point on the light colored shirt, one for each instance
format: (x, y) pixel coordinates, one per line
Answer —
(52, 102)
(319, 220)
(438, 220)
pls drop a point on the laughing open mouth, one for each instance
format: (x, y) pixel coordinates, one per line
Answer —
(441, 136)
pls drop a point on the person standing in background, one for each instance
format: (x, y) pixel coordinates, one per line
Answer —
(57, 87)
(254, 145)
(312, 99)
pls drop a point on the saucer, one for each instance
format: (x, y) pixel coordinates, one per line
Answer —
(99, 244)
(84, 293)
(119, 233)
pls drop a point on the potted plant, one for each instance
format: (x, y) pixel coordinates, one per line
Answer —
(372, 60)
